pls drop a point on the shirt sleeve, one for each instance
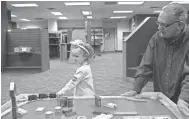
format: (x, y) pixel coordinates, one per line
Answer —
(77, 78)
(185, 83)
(144, 71)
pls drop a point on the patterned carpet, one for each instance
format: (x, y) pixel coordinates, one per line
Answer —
(106, 69)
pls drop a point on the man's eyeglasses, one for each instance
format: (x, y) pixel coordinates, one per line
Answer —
(165, 25)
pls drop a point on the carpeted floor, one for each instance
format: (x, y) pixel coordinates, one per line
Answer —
(106, 69)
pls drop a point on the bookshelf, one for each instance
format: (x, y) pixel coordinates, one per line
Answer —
(54, 42)
(65, 51)
(34, 54)
(65, 45)
(97, 39)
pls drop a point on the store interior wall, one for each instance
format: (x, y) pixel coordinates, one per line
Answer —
(43, 24)
(135, 44)
(52, 25)
(5, 17)
(120, 25)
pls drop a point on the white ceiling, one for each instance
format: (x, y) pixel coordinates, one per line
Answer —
(98, 8)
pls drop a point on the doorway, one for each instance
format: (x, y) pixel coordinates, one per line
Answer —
(109, 39)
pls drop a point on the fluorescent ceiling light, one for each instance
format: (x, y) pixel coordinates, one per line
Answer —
(25, 5)
(57, 13)
(24, 19)
(158, 11)
(122, 11)
(62, 17)
(118, 17)
(86, 12)
(12, 15)
(130, 3)
(76, 3)
(181, 2)
(89, 17)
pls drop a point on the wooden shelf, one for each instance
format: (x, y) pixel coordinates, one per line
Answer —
(54, 58)
(23, 67)
(37, 58)
(97, 38)
(16, 53)
(65, 51)
(133, 68)
(95, 44)
(54, 44)
(97, 34)
(65, 43)
(54, 37)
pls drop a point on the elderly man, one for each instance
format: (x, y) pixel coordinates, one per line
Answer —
(166, 59)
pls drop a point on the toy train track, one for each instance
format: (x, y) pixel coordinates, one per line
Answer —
(27, 98)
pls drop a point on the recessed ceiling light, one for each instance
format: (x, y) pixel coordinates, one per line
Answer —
(57, 13)
(50, 8)
(154, 7)
(105, 18)
(122, 11)
(181, 2)
(24, 19)
(25, 5)
(130, 3)
(89, 17)
(62, 17)
(110, 3)
(86, 12)
(158, 11)
(12, 15)
(38, 18)
(118, 17)
(76, 3)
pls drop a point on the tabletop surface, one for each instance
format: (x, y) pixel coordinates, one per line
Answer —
(85, 107)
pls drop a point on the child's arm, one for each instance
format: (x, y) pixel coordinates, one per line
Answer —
(73, 82)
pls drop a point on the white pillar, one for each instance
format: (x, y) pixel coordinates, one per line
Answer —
(52, 25)
(88, 29)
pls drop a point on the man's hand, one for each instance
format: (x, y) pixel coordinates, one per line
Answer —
(183, 107)
(129, 93)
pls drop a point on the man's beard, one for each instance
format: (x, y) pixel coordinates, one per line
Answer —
(171, 38)
(168, 39)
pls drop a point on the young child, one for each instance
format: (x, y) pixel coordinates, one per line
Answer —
(82, 81)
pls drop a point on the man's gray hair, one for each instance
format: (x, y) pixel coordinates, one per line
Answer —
(177, 10)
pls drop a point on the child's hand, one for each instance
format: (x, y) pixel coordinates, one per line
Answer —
(59, 94)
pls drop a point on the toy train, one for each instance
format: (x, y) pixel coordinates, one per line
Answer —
(41, 96)
(62, 101)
